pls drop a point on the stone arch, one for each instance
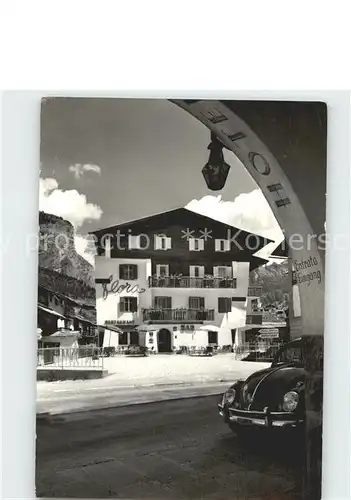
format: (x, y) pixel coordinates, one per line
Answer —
(266, 170)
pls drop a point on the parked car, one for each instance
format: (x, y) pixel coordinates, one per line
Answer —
(271, 398)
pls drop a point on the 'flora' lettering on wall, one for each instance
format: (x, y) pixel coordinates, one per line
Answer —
(114, 287)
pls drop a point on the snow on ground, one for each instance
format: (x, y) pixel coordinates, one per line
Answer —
(161, 369)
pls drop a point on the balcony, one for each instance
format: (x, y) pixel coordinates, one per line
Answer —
(178, 315)
(191, 282)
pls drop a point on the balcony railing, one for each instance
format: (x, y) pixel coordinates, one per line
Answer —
(178, 315)
(191, 282)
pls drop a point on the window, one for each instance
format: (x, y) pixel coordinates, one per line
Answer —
(162, 302)
(135, 243)
(224, 304)
(291, 354)
(128, 304)
(222, 245)
(254, 305)
(196, 302)
(128, 271)
(196, 244)
(162, 242)
(162, 270)
(197, 271)
(123, 338)
(222, 271)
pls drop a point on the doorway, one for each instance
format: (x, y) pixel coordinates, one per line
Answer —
(212, 338)
(164, 340)
(134, 338)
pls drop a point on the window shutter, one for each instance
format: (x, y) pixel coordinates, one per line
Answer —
(122, 271)
(224, 304)
(202, 301)
(157, 243)
(191, 244)
(133, 242)
(168, 243)
(134, 273)
(134, 304)
(121, 305)
(168, 301)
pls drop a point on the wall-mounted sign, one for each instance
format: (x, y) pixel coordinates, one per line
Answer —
(268, 333)
(113, 286)
(305, 271)
(186, 328)
(269, 336)
(269, 330)
(119, 322)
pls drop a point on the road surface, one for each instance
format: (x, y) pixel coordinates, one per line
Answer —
(170, 450)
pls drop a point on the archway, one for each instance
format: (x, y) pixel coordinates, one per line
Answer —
(246, 128)
(278, 190)
(164, 341)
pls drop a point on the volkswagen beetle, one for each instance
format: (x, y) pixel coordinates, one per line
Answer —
(269, 398)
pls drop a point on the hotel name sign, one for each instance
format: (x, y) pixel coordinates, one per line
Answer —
(113, 286)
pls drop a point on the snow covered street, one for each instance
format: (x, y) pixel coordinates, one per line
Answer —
(145, 377)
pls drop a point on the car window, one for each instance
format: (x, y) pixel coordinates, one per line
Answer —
(291, 354)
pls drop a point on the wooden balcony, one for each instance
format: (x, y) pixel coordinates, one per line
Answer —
(191, 282)
(178, 315)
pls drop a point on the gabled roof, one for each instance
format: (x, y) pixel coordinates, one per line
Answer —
(282, 250)
(186, 218)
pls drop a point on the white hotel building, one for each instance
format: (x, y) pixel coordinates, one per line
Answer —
(173, 279)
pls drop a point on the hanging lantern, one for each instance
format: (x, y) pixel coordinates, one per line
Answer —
(216, 169)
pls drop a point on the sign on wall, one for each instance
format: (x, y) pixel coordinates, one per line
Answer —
(238, 137)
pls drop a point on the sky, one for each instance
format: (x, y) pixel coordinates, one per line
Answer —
(107, 161)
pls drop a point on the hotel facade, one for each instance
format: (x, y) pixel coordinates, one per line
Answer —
(173, 280)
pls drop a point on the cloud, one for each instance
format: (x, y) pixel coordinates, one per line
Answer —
(78, 169)
(69, 204)
(249, 211)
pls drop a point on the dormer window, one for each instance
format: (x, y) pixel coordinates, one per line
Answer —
(137, 242)
(196, 244)
(222, 245)
(162, 242)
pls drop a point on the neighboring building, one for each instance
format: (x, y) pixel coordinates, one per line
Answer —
(61, 319)
(268, 323)
(173, 279)
(294, 318)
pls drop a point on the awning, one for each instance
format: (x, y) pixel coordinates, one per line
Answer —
(113, 328)
(209, 328)
(50, 311)
(61, 334)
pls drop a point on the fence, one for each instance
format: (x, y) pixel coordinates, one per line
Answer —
(178, 314)
(191, 282)
(257, 351)
(81, 357)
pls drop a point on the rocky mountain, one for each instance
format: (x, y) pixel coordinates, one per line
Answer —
(57, 250)
(273, 279)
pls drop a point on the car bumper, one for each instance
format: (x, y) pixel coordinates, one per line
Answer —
(264, 419)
